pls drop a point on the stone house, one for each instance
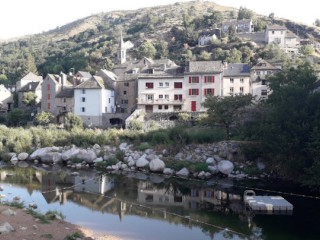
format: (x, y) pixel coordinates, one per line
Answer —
(280, 35)
(80, 77)
(206, 39)
(241, 26)
(236, 79)
(64, 103)
(259, 78)
(93, 99)
(51, 88)
(200, 79)
(6, 99)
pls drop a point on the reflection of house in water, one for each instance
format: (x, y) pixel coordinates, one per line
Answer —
(194, 199)
(100, 184)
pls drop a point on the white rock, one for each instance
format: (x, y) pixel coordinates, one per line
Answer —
(35, 227)
(136, 156)
(207, 175)
(225, 167)
(165, 152)
(131, 163)
(23, 156)
(213, 169)
(87, 155)
(184, 172)
(261, 165)
(210, 161)
(149, 151)
(157, 165)
(130, 158)
(14, 160)
(100, 159)
(142, 162)
(74, 174)
(123, 146)
(201, 174)
(168, 171)
(96, 146)
(9, 212)
(69, 154)
(124, 166)
(178, 156)
(51, 157)
(6, 228)
(115, 167)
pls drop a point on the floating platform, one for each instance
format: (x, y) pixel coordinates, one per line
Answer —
(267, 204)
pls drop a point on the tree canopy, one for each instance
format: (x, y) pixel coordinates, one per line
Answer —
(29, 99)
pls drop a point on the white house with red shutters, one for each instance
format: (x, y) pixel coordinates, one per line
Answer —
(200, 79)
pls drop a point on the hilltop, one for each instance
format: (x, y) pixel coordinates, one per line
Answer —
(91, 43)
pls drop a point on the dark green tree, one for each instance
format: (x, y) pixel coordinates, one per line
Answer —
(317, 22)
(30, 65)
(4, 80)
(29, 99)
(73, 121)
(146, 49)
(226, 111)
(44, 118)
(17, 118)
(245, 13)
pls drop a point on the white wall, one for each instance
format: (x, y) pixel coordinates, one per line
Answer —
(226, 85)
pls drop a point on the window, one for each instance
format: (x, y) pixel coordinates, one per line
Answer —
(178, 85)
(160, 96)
(193, 79)
(64, 100)
(264, 92)
(281, 32)
(263, 82)
(272, 32)
(83, 99)
(112, 93)
(126, 84)
(166, 84)
(209, 79)
(124, 92)
(241, 80)
(160, 84)
(166, 96)
(193, 91)
(106, 109)
(178, 97)
(49, 105)
(241, 89)
(208, 91)
(231, 80)
(124, 101)
(160, 107)
(49, 96)
(109, 100)
(269, 72)
(83, 91)
(149, 85)
(49, 87)
(149, 97)
(83, 109)
(258, 72)
(166, 107)
(177, 108)
(231, 90)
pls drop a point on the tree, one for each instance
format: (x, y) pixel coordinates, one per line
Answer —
(234, 56)
(29, 99)
(146, 49)
(317, 22)
(246, 54)
(44, 118)
(231, 31)
(4, 80)
(108, 64)
(205, 56)
(226, 111)
(245, 13)
(271, 16)
(16, 118)
(30, 65)
(73, 121)
(307, 50)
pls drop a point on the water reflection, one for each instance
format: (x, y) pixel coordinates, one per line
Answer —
(190, 204)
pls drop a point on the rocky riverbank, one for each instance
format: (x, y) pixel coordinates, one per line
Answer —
(194, 161)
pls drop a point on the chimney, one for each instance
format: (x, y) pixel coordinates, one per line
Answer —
(225, 64)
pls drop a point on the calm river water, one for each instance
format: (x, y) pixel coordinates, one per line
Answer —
(141, 207)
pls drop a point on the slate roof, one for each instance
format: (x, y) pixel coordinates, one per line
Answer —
(264, 65)
(276, 27)
(66, 93)
(56, 77)
(109, 74)
(204, 67)
(30, 87)
(290, 34)
(237, 69)
(32, 77)
(85, 74)
(94, 82)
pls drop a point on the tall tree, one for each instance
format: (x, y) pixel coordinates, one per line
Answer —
(245, 13)
(146, 49)
(30, 65)
(29, 99)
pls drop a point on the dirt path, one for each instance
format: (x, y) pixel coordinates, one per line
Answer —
(29, 228)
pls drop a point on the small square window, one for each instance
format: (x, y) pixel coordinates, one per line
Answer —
(231, 80)
(83, 109)
(166, 107)
(160, 107)
(241, 89)
(166, 96)
(83, 99)
(126, 84)
(241, 80)
(83, 91)
(160, 84)
(124, 92)
(167, 84)
(160, 96)
(231, 90)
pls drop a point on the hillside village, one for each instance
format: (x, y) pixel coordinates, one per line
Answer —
(109, 97)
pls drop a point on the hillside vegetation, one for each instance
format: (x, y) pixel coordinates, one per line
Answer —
(91, 43)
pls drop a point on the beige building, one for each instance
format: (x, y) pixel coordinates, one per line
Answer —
(6, 99)
(280, 35)
(241, 26)
(236, 79)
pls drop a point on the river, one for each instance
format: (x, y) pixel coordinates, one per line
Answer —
(138, 206)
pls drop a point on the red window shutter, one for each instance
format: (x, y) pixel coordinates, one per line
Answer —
(190, 92)
(49, 105)
(205, 79)
(197, 91)
(213, 79)
(197, 79)
(205, 91)
(189, 79)
(212, 90)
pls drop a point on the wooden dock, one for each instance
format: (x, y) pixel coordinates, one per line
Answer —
(267, 204)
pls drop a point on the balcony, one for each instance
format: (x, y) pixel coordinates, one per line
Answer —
(161, 101)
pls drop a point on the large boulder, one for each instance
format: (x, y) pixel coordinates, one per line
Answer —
(142, 162)
(131, 163)
(184, 172)
(225, 167)
(168, 171)
(157, 165)
(51, 157)
(39, 152)
(69, 154)
(23, 156)
(6, 228)
(210, 161)
(87, 155)
(123, 146)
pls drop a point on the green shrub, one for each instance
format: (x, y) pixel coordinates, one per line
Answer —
(44, 118)
(135, 125)
(111, 161)
(73, 121)
(120, 155)
(184, 117)
(160, 137)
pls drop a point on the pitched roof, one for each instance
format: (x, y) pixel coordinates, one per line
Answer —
(56, 78)
(237, 69)
(290, 34)
(264, 65)
(30, 87)
(85, 74)
(109, 74)
(66, 93)
(32, 77)
(243, 21)
(94, 82)
(276, 27)
(204, 66)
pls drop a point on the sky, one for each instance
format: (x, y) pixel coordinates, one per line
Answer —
(24, 17)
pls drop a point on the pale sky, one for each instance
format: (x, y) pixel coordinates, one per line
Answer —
(22, 17)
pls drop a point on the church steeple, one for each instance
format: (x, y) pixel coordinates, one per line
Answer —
(122, 51)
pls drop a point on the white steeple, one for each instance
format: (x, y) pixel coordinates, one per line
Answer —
(122, 51)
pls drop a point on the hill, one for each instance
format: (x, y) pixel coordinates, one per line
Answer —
(91, 43)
